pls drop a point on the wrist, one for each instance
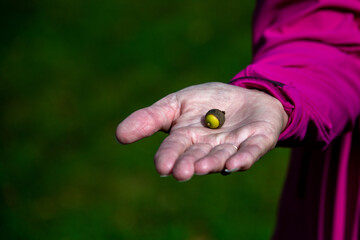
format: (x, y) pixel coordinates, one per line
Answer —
(284, 105)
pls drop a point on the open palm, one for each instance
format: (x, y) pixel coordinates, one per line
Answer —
(254, 121)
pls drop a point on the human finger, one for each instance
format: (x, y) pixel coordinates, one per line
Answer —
(184, 167)
(147, 121)
(249, 152)
(169, 151)
(215, 160)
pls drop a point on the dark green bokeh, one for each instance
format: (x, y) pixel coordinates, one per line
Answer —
(69, 72)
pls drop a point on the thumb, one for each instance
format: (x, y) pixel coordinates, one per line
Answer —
(147, 121)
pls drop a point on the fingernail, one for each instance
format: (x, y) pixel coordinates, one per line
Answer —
(225, 172)
(181, 181)
(234, 170)
(118, 140)
(200, 174)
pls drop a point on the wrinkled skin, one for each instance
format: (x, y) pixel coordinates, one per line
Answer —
(254, 121)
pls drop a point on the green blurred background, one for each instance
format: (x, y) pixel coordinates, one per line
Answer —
(70, 71)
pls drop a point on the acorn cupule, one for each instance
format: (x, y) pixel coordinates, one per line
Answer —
(214, 118)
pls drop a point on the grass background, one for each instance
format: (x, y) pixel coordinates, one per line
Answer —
(70, 71)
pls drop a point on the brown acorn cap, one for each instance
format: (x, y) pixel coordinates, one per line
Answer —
(220, 115)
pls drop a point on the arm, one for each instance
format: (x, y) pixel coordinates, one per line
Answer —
(311, 52)
(314, 73)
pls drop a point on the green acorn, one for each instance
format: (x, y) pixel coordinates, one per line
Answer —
(214, 118)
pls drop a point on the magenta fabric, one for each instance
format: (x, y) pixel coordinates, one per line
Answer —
(307, 55)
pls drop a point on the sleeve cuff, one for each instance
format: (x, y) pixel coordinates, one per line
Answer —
(285, 94)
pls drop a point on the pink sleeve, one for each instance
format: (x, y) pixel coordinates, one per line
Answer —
(307, 54)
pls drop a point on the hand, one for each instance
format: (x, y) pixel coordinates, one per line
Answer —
(254, 121)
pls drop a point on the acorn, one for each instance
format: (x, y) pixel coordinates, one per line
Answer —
(214, 118)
